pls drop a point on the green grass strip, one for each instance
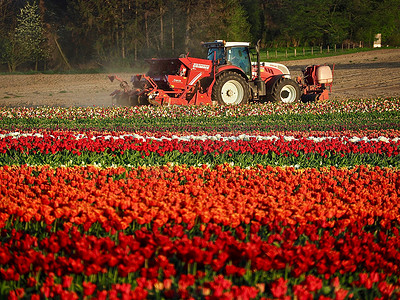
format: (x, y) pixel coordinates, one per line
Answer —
(298, 122)
(136, 158)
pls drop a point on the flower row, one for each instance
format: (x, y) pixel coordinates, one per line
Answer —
(203, 137)
(66, 148)
(334, 106)
(52, 143)
(183, 232)
(392, 134)
(175, 261)
(117, 197)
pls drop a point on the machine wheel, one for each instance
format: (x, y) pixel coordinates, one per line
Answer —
(284, 90)
(231, 89)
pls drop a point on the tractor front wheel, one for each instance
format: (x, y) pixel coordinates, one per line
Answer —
(231, 89)
(284, 90)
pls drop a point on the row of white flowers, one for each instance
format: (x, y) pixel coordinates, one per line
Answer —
(216, 137)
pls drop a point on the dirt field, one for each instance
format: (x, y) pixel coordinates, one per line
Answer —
(363, 75)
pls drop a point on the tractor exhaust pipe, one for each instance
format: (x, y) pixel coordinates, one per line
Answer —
(261, 86)
(258, 60)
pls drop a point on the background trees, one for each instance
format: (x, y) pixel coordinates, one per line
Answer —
(93, 33)
(23, 41)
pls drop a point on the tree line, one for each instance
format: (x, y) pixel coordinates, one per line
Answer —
(63, 34)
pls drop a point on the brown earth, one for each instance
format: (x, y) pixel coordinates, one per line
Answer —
(362, 75)
(368, 74)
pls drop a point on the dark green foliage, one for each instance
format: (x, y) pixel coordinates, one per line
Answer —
(121, 33)
(274, 122)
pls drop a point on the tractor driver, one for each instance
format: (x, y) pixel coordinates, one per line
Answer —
(239, 57)
(216, 54)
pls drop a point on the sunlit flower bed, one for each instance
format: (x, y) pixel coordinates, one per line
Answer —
(66, 148)
(200, 232)
(331, 106)
(92, 213)
(335, 115)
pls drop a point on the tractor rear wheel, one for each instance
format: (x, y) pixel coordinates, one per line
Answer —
(284, 90)
(230, 89)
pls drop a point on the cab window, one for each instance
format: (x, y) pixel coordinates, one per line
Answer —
(217, 53)
(239, 56)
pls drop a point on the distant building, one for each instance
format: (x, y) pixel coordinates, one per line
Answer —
(378, 40)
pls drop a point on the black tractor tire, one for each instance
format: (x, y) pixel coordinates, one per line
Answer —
(230, 89)
(284, 90)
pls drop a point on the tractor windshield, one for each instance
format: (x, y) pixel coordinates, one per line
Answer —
(239, 57)
(217, 54)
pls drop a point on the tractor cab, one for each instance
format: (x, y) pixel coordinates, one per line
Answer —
(230, 53)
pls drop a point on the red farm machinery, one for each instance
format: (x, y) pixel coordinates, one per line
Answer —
(226, 77)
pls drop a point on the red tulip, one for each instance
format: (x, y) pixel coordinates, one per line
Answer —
(67, 281)
(279, 288)
(88, 288)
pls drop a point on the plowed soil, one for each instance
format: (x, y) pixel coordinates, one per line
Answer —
(362, 75)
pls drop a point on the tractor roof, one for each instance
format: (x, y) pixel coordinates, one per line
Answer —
(221, 43)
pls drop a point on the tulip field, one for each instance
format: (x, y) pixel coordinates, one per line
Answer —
(263, 201)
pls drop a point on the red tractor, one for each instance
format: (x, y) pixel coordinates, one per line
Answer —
(227, 77)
